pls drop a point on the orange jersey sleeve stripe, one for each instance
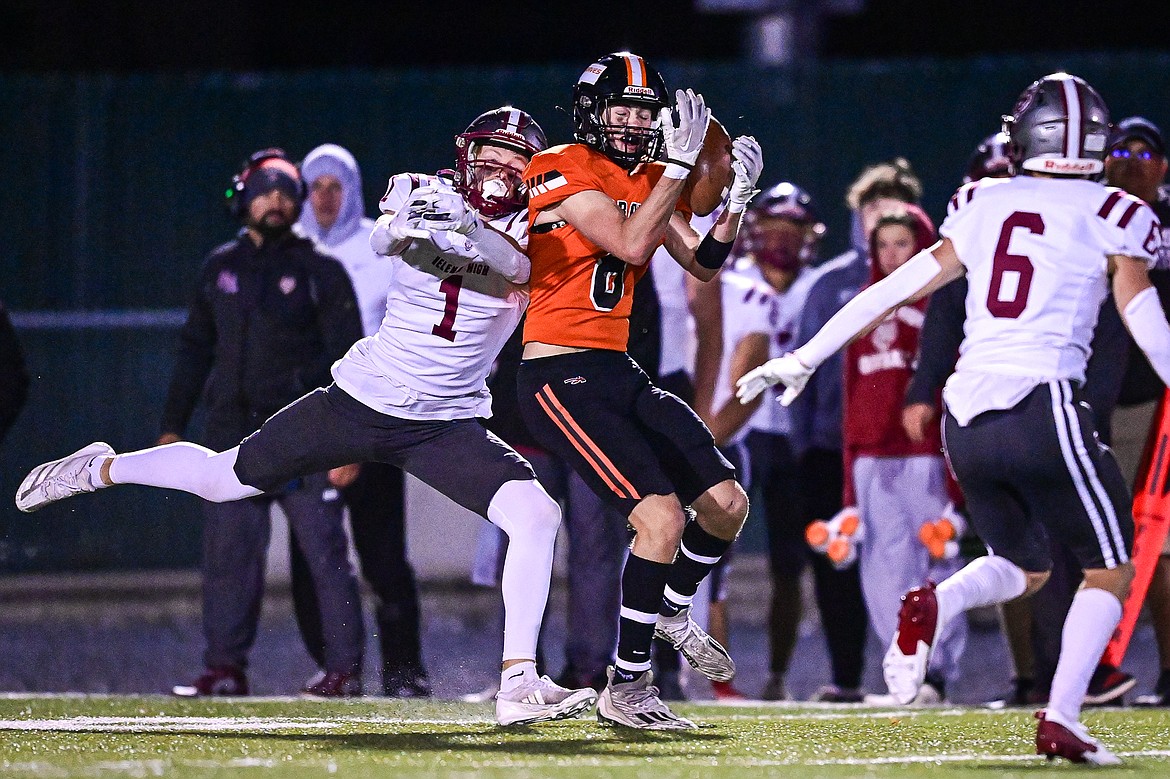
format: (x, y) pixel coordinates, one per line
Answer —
(584, 444)
(579, 295)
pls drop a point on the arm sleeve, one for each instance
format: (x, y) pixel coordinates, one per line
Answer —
(863, 310)
(499, 254)
(938, 346)
(14, 377)
(1147, 323)
(193, 360)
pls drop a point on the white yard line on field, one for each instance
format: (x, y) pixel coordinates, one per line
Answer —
(226, 724)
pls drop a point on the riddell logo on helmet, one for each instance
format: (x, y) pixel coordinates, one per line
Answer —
(641, 91)
(1070, 166)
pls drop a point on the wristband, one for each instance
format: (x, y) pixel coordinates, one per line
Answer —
(676, 169)
(711, 254)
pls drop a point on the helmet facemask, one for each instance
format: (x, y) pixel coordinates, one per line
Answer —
(490, 183)
(492, 188)
(628, 145)
(620, 79)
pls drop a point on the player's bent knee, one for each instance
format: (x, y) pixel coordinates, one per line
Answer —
(1033, 581)
(723, 509)
(523, 507)
(215, 472)
(659, 519)
(1115, 580)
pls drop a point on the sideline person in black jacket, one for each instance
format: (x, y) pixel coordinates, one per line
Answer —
(270, 316)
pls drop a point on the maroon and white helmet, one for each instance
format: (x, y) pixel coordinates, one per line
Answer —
(510, 128)
(784, 201)
(992, 158)
(1060, 125)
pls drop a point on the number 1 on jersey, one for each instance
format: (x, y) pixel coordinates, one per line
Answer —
(450, 287)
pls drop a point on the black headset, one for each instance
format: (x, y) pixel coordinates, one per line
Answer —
(234, 195)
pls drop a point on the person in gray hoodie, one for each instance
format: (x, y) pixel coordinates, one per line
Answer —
(335, 220)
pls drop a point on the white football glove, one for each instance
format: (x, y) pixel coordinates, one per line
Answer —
(392, 231)
(747, 162)
(786, 370)
(438, 209)
(684, 142)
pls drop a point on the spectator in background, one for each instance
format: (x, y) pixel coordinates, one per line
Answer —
(269, 317)
(778, 244)
(374, 492)
(13, 374)
(894, 483)
(1137, 163)
(817, 417)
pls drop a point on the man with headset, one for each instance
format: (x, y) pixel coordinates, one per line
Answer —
(269, 316)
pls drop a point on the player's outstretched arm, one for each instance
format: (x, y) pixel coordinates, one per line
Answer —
(922, 274)
(497, 250)
(1137, 300)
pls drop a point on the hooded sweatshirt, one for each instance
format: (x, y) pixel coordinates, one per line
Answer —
(348, 239)
(878, 367)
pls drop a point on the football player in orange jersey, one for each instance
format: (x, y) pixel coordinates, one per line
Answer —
(598, 209)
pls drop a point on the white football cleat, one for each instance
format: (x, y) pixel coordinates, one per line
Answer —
(705, 654)
(59, 479)
(636, 705)
(541, 700)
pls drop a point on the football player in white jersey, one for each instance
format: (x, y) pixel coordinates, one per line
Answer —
(408, 395)
(1040, 252)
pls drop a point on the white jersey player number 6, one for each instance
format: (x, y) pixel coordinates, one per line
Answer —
(1011, 274)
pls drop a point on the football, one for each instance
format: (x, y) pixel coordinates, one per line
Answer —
(712, 172)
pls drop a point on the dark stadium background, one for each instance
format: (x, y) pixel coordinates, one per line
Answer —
(198, 34)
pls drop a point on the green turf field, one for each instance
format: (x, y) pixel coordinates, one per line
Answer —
(159, 736)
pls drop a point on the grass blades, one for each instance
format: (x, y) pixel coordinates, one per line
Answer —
(87, 736)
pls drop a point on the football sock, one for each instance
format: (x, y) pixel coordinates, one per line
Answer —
(642, 584)
(183, 466)
(1087, 628)
(697, 555)
(524, 511)
(985, 581)
(93, 470)
(515, 675)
